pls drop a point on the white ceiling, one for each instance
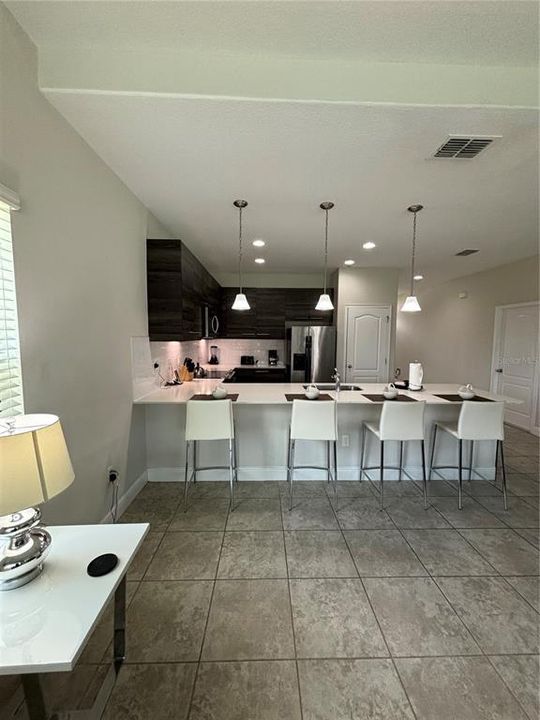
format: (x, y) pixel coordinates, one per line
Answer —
(436, 31)
(187, 159)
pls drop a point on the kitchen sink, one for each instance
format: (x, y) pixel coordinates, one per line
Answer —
(331, 386)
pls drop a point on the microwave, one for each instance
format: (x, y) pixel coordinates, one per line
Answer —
(210, 322)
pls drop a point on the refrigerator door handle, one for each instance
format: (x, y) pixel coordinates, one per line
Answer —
(309, 351)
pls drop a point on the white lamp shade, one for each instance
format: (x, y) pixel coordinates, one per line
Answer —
(324, 302)
(34, 462)
(240, 302)
(411, 304)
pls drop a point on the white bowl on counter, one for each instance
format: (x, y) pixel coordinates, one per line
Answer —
(390, 392)
(219, 392)
(312, 392)
(466, 392)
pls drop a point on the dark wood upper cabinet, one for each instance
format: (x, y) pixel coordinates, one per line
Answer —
(179, 287)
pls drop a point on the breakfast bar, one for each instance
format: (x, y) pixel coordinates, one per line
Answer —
(262, 417)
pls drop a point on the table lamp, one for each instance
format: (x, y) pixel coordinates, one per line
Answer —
(34, 467)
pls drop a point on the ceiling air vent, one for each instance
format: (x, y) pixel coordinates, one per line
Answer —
(458, 146)
(464, 253)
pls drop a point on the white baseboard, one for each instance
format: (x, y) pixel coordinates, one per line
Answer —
(130, 494)
(279, 472)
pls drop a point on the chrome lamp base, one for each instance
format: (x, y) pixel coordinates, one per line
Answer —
(23, 548)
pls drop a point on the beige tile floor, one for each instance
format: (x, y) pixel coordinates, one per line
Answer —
(329, 613)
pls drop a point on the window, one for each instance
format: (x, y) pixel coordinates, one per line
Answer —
(11, 393)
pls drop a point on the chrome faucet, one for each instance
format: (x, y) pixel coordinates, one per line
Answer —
(336, 377)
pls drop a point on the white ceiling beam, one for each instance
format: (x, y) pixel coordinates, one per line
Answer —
(278, 78)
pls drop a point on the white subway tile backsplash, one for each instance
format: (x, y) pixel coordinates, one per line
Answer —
(170, 355)
(230, 351)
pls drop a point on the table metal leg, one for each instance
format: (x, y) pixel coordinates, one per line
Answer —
(33, 694)
(119, 640)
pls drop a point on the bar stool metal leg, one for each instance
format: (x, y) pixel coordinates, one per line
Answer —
(328, 470)
(503, 468)
(433, 439)
(362, 452)
(186, 476)
(400, 458)
(235, 456)
(194, 461)
(460, 478)
(471, 454)
(291, 472)
(231, 471)
(424, 474)
(382, 473)
(335, 473)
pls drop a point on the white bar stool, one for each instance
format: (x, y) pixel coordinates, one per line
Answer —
(401, 422)
(209, 420)
(477, 421)
(313, 420)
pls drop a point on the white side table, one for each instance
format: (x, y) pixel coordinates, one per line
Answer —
(45, 625)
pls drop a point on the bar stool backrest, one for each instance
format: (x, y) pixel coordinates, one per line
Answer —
(313, 420)
(481, 421)
(209, 420)
(402, 420)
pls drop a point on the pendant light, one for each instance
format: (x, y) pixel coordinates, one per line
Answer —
(240, 301)
(411, 303)
(325, 303)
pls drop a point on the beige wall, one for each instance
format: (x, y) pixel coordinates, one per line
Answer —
(364, 286)
(453, 337)
(79, 243)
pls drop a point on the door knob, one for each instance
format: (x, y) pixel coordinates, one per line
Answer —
(349, 366)
(499, 370)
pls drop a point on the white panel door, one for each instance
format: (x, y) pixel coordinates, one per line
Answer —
(367, 343)
(515, 360)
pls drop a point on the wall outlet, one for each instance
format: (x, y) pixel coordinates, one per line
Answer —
(345, 440)
(112, 474)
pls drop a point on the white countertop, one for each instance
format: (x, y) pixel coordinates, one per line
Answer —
(274, 393)
(45, 624)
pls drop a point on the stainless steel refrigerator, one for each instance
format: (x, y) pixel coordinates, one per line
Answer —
(311, 353)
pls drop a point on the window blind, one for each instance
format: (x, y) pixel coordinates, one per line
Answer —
(11, 394)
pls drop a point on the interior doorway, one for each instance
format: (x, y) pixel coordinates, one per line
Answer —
(367, 343)
(514, 368)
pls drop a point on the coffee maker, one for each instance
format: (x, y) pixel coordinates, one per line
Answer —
(272, 357)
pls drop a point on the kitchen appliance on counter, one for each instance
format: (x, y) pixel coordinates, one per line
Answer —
(272, 357)
(416, 375)
(247, 360)
(214, 355)
(311, 353)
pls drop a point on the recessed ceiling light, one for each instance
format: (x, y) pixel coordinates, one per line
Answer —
(369, 245)
(260, 261)
(349, 262)
(418, 277)
(259, 243)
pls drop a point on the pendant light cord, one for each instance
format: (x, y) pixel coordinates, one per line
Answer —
(325, 249)
(413, 256)
(240, 252)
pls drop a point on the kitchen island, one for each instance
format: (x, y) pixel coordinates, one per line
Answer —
(262, 416)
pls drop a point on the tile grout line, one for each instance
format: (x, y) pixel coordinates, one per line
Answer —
(485, 655)
(203, 639)
(292, 614)
(373, 611)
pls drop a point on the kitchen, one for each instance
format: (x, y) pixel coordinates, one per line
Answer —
(214, 255)
(277, 344)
